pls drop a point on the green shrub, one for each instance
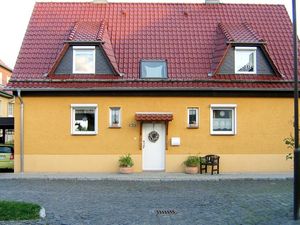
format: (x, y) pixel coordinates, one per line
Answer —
(290, 142)
(192, 161)
(126, 161)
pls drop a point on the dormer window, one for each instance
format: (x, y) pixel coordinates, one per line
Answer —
(245, 60)
(153, 69)
(84, 59)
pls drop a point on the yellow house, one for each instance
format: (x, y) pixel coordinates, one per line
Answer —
(6, 106)
(95, 81)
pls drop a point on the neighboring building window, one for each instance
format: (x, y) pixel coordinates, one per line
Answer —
(84, 59)
(115, 117)
(10, 109)
(193, 114)
(1, 77)
(223, 119)
(84, 119)
(245, 60)
(153, 69)
(7, 79)
(0, 108)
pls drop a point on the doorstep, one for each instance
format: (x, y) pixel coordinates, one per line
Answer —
(148, 176)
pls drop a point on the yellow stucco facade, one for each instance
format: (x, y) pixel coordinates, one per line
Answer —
(49, 146)
(4, 101)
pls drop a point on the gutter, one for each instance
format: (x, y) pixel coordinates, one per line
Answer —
(57, 80)
(150, 89)
(6, 95)
(21, 131)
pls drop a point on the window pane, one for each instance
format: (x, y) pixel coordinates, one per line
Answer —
(4, 149)
(222, 120)
(84, 120)
(192, 116)
(115, 116)
(154, 69)
(245, 61)
(84, 61)
(10, 110)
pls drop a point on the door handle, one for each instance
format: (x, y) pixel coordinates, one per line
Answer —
(143, 144)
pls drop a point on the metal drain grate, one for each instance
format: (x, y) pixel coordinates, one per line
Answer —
(168, 212)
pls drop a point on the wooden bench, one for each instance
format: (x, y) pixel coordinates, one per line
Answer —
(209, 160)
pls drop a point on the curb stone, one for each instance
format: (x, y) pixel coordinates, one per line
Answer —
(145, 176)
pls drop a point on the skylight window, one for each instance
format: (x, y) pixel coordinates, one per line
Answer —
(153, 69)
(84, 59)
(245, 60)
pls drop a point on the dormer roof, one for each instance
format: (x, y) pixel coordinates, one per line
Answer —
(86, 33)
(240, 33)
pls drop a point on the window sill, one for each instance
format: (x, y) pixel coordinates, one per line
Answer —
(84, 134)
(83, 73)
(114, 127)
(245, 73)
(192, 127)
(224, 134)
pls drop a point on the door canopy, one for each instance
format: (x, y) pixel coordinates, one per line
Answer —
(154, 116)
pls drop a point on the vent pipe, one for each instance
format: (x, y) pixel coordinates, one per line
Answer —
(100, 1)
(212, 1)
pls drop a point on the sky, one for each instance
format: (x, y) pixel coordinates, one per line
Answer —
(15, 15)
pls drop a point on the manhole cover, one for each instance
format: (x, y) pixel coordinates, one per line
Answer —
(167, 212)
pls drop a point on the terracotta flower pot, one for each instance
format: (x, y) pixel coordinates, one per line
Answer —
(191, 170)
(126, 170)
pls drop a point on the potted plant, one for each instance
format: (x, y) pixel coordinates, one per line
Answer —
(192, 164)
(126, 164)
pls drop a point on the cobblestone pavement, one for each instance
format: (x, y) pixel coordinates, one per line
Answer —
(73, 202)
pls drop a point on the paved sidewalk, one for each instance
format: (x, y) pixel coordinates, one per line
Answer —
(148, 176)
(84, 202)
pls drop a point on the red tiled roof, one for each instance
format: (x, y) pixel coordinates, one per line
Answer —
(4, 65)
(153, 116)
(86, 31)
(183, 34)
(241, 33)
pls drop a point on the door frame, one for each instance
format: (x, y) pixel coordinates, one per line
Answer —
(141, 133)
(165, 146)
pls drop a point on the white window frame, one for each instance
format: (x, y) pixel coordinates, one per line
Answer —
(236, 58)
(84, 106)
(75, 48)
(197, 117)
(232, 107)
(111, 125)
(10, 109)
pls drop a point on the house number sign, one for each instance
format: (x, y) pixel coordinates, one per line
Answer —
(153, 136)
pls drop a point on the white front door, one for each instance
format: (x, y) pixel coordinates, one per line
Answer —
(153, 145)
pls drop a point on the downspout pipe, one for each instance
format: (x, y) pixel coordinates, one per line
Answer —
(21, 131)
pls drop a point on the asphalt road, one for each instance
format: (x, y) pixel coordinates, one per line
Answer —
(76, 202)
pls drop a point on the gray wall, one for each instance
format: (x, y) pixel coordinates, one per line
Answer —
(66, 64)
(263, 66)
